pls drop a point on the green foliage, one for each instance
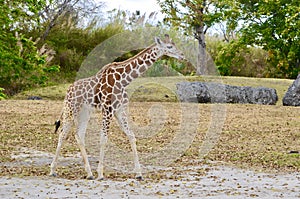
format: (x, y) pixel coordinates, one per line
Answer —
(236, 59)
(273, 25)
(191, 14)
(14, 16)
(2, 95)
(230, 57)
(163, 68)
(194, 17)
(21, 66)
(270, 25)
(72, 43)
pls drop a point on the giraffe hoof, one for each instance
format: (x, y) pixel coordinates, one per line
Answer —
(100, 179)
(90, 178)
(139, 178)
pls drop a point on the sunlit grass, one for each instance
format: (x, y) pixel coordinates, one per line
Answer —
(164, 88)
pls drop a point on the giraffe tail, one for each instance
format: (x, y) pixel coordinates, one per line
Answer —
(57, 125)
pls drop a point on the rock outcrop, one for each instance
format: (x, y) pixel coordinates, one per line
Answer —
(292, 96)
(209, 92)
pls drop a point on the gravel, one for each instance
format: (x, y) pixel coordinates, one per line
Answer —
(216, 182)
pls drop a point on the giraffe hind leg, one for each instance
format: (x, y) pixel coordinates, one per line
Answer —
(83, 120)
(87, 166)
(62, 135)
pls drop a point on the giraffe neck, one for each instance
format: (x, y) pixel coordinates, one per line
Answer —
(122, 73)
(137, 65)
(144, 60)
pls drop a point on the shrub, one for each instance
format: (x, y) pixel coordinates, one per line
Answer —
(2, 95)
(161, 68)
(73, 43)
(21, 66)
(236, 59)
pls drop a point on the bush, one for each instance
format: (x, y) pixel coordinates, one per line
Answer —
(161, 68)
(281, 66)
(72, 44)
(236, 59)
(2, 95)
(21, 65)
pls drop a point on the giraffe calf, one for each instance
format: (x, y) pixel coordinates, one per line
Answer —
(106, 92)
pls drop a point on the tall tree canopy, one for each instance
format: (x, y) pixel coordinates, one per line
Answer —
(271, 25)
(274, 26)
(196, 17)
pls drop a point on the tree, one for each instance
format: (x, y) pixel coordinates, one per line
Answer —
(63, 9)
(274, 26)
(18, 15)
(196, 17)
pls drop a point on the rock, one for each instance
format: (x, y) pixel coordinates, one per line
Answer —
(34, 98)
(193, 92)
(292, 96)
(265, 96)
(203, 92)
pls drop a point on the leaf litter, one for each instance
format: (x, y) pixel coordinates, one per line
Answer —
(252, 156)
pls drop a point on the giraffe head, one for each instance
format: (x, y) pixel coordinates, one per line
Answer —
(168, 47)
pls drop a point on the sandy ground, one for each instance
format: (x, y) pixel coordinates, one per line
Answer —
(217, 182)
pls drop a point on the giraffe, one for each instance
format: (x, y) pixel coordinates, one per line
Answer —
(106, 92)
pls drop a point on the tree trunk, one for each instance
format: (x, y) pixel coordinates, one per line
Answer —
(201, 62)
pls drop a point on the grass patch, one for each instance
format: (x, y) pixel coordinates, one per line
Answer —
(153, 89)
(56, 92)
(253, 136)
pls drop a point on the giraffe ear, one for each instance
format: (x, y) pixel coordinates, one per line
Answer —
(157, 40)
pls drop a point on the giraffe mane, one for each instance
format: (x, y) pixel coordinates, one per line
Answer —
(137, 55)
(127, 60)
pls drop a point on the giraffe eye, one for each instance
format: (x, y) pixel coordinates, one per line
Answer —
(169, 47)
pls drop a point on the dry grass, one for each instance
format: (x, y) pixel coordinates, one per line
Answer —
(253, 136)
(164, 89)
(257, 137)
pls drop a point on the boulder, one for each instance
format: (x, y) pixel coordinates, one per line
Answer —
(292, 96)
(210, 92)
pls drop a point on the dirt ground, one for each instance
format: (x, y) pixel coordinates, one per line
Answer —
(217, 182)
(207, 151)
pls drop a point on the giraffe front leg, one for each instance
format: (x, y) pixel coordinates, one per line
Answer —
(103, 141)
(122, 119)
(137, 166)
